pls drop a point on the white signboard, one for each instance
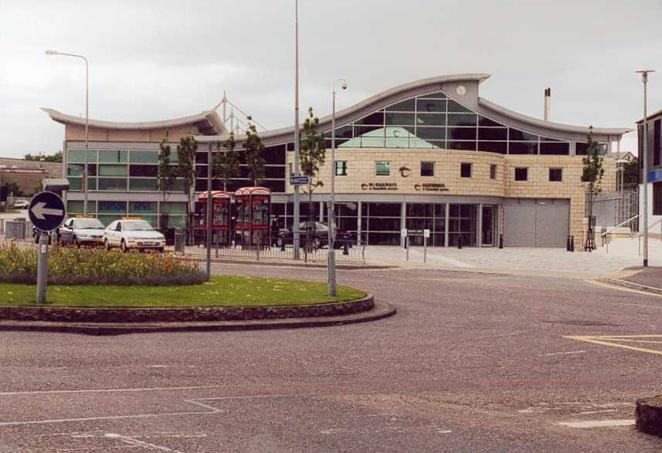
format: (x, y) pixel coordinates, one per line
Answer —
(426, 233)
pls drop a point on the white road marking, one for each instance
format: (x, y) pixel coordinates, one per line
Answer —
(621, 288)
(138, 443)
(598, 423)
(596, 412)
(563, 353)
(212, 410)
(145, 389)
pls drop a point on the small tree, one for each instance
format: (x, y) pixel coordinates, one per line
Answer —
(166, 173)
(185, 171)
(226, 161)
(592, 174)
(312, 154)
(254, 150)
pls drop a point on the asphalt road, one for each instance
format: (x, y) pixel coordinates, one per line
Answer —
(471, 362)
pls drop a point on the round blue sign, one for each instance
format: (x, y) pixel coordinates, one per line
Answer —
(47, 211)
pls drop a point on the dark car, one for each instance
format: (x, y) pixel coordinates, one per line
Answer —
(315, 232)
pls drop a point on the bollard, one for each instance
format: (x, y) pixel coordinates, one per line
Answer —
(572, 243)
(345, 249)
(282, 244)
(459, 242)
(501, 241)
(567, 244)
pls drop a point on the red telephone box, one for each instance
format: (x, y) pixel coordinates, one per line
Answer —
(253, 208)
(220, 215)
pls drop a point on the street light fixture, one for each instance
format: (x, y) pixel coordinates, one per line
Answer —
(644, 79)
(87, 109)
(332, 233)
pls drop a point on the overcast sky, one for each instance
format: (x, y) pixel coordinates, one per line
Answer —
(152, 60)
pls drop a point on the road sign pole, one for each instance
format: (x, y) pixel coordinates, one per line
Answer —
(425, 249)
(42, 268)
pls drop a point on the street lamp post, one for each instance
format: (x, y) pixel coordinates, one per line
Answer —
(296, 214)
(332, 199)
(644, 79)
(87, 111)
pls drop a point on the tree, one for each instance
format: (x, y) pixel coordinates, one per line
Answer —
(254, 150)
(55, 157)
(166, 173)
(312, 154)
(226, 161)
(185, 170)
(592, 173)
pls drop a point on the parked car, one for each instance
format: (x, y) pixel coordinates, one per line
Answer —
(81, 231)
(132, 234)
(21, 204)
(319, 236)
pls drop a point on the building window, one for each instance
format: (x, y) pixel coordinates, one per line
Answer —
(493, 171)
(521, 174)
(657, 198)
(465, 170)
(382, 168)
(427, 168)
(556, 174)
(341, 168)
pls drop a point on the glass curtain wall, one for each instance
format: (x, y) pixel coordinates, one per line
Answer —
(436, 121)
(421, 216)
(381, 223)
(462, 224)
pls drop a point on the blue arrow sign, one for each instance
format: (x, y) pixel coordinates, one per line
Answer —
(299, 180)
(46, 211)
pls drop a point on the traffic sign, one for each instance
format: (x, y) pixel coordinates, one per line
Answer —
(46, 211)
(299, 180)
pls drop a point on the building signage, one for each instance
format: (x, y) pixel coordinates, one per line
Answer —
(380, 186)
(430, 187)
(654, 175)
(299, 180)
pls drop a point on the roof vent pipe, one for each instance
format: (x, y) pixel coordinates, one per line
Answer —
(548, 95)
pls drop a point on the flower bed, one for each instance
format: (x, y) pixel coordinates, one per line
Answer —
(72, 266)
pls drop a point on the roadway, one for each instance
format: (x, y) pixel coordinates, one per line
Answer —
(471, 362)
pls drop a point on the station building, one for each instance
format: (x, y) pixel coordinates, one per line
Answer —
(654, 159)
(431, 154)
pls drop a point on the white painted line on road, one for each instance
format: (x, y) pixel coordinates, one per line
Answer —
(563, 353)
(138, 443)
(621, 288)
(145, 389)
(212, 410)
(598, 423)
(596, 412)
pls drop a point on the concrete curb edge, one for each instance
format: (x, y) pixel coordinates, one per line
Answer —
(379, 311)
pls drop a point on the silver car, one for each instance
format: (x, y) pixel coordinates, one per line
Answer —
(81, 231)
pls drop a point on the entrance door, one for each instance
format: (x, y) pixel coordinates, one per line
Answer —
(487, 235)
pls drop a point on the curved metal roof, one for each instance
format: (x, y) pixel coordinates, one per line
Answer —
(424, 86)
(208, 121)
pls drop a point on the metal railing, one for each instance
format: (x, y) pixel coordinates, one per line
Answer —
(269, 249)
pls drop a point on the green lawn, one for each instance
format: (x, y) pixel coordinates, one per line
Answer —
(226, 291)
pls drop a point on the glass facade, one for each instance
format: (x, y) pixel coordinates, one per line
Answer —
(435, 121)
(161, 214)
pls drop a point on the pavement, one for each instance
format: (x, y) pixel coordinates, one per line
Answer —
(472, 362)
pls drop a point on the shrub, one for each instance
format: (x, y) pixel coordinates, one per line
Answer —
(72, 266)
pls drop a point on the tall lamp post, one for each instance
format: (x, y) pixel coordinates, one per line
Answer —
(332, 219)
(644, 79)
(296, 240)
(87, 109)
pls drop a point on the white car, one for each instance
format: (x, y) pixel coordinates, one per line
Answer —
(132, 234)
(21, 204)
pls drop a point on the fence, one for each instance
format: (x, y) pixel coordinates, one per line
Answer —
(615, 208)
(266, 249)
